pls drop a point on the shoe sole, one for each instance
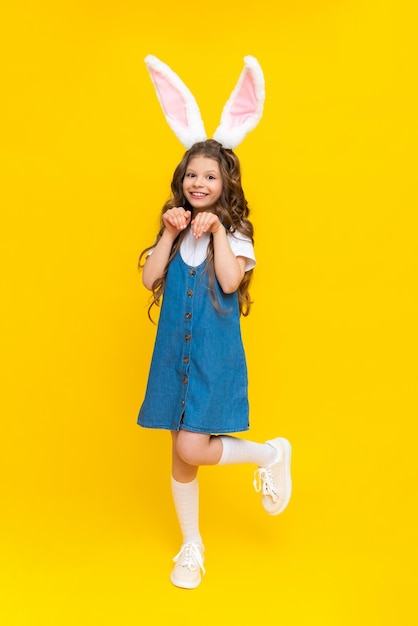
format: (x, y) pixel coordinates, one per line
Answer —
(287, 454)
(184, 585)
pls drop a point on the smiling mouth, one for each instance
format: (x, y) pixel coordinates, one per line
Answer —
(195, 194)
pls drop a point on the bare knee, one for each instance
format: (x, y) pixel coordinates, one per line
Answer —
(186, 449)
(190, 447)
(198, 448)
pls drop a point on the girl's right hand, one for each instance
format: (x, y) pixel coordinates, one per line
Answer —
(176, 219)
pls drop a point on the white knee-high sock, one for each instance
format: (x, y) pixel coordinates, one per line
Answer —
(186, 502)
(242, 451)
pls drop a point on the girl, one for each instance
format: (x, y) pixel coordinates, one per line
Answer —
(201, 263)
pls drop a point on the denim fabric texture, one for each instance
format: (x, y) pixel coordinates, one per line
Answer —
(198, 374)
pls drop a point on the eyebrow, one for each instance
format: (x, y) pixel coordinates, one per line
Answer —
(190, 169)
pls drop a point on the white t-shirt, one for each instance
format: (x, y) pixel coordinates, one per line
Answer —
(193, 251)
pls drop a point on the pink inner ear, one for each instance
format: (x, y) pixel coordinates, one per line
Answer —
(245, 103)
(171, 100)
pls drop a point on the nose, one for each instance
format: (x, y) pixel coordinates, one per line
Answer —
(198, 181)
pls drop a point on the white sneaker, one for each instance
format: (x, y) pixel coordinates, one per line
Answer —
(275, 481)
(188, 563)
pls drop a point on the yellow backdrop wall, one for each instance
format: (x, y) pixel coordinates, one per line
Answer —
(87, 524)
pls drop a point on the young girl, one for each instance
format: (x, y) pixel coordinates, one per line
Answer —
(201, 263)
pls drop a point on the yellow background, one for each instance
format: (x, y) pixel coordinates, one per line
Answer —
(87, 523)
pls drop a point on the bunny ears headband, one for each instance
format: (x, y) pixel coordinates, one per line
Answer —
(240, 115)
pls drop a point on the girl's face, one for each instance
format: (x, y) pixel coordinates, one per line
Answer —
(202, 183)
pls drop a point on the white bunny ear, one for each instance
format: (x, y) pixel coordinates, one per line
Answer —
(244, 108)
(178, 103)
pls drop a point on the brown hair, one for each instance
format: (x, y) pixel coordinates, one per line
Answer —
(231, 208)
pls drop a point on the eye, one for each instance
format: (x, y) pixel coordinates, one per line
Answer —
(190, 175)
(211, 177)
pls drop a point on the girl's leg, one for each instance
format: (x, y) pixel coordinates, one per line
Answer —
(273, 459)
(185, 490)
(193, 449)
(272, 477)
(198, 449)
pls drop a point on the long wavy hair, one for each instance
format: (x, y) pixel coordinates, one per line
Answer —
(231, 208)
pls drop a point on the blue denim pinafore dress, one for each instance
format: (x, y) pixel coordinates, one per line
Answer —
(198, 374)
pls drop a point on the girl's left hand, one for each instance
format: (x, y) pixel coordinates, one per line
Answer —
(205, 222)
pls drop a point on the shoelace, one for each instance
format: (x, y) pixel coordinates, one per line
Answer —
(264, 480)
(190, 556)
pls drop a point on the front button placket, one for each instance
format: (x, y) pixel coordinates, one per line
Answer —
(187, 334)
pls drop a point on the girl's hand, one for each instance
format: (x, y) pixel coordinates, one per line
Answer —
(205, 222)
(176, 219)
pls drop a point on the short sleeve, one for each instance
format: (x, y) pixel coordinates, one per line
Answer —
(241, 245)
